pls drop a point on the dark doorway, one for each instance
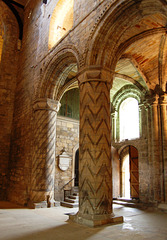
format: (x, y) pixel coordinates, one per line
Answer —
(76, 182)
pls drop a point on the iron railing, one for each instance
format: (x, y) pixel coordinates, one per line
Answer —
(67, 192)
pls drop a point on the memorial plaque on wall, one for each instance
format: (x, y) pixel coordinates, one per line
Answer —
(64, 161)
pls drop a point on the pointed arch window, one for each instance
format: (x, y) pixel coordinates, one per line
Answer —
(129, 119)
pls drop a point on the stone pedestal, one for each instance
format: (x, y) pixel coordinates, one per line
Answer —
(95, 220)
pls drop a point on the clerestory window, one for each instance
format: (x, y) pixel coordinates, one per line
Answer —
(61, 21)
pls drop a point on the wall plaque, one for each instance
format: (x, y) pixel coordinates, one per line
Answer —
(64, 161)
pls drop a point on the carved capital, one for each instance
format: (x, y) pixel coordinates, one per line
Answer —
(163, 99)
(95, 74)
(152, 100)
(46, 104)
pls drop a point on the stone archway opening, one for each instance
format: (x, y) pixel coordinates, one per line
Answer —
(58, 77)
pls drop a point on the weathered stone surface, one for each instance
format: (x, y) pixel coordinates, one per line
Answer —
(120, 41)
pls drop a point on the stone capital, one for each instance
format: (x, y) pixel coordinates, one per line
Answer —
(95, 74)
(152, 100)
(163, 99)
(46, 104)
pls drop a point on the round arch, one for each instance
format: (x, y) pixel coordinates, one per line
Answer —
(55, 72)
(128, 91)
(125, 92)
(73, 83)
(118, 28)
(10, 30)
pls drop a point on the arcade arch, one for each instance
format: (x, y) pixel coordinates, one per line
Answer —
(107, 48)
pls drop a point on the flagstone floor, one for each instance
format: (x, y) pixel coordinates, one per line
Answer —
(52, 224)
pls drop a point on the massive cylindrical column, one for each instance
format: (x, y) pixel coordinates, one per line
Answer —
(95, 167)
(43, 163)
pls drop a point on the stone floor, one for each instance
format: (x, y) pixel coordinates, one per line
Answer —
(52, 224)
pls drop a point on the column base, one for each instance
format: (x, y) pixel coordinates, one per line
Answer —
(34, 205)
(95, 220)
(42, 204)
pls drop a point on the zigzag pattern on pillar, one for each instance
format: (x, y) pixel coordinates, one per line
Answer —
(43, 165)
(95, 148)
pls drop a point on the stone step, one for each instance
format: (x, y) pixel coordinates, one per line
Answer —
(75, 194)
(162, 207)
(129, 204)
(71, 200)
(73, 197)
(69, 205)
(75, 189)
(127, 200)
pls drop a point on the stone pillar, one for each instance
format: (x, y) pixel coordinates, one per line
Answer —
(113, 116)
(156, 155)
(43, 163)
(95, 166)
(163, 117)
(145, 195)
(142, 121)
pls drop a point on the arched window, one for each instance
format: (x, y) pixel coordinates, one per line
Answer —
(61, 21)
(129, 119)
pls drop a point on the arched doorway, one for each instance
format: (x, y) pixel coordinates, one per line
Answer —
(76, 182)
(129, 173)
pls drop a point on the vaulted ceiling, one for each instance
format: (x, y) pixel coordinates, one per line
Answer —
(140, 62)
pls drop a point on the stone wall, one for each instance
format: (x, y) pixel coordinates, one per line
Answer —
(8, 70)
(35, 62)
(67, 137)
(115, 173)
(34, 58)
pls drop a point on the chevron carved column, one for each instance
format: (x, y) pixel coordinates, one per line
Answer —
(95, 170)
(43, 165)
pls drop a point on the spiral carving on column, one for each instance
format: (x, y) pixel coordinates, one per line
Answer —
(95, 148)
(43, 165)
